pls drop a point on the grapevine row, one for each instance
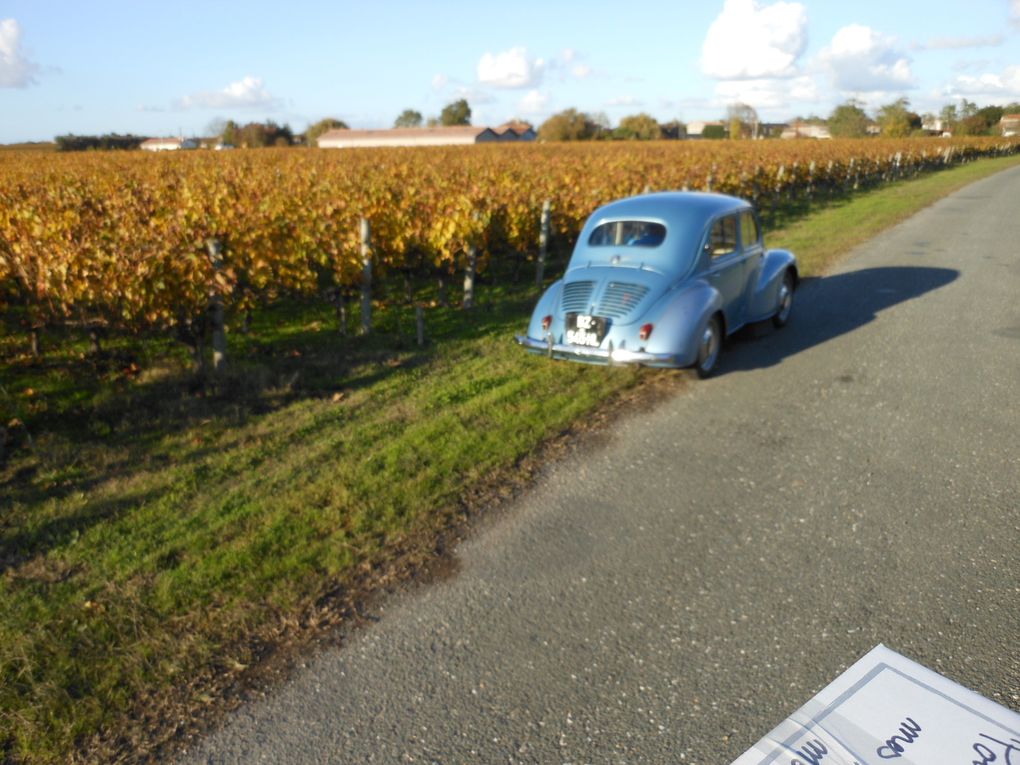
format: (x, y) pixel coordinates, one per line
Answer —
(123, 239)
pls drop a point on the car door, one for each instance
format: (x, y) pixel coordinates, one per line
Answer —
(728, 268)
(754, 255)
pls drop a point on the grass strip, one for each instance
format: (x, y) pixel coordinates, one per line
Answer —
(156, 542)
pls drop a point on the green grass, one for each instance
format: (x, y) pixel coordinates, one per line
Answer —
(820, 238)
(158, 537)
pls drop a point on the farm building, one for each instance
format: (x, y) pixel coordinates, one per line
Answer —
(1009, 125)
(168, 144)
(696, 129)
(343, 138)
(806, 130)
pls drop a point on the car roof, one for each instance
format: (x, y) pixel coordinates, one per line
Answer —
(680, 208)
(686, 215)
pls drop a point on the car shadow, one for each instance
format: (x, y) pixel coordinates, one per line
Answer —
(827, 307)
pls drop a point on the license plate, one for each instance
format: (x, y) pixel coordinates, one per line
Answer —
(586, 330)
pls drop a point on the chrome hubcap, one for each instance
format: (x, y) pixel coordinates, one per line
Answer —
(785, 301)
(709, 346)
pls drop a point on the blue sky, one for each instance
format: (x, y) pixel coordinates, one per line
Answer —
(170, 68)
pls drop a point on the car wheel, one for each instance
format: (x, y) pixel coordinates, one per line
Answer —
(784, 303)
(708, 347)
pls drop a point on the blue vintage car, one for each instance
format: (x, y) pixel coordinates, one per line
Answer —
(659, 280)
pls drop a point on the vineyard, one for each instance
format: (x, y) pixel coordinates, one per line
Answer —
(167, 543)
(124, 242)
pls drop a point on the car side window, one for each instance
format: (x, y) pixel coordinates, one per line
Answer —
(750, 233)
(723, 238)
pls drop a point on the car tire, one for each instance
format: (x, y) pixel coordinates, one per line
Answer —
(785, 302)
(709, 345)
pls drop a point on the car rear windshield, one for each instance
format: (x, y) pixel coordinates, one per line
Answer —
(627, 233)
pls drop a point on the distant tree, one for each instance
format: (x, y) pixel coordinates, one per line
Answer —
(317, 129)
(896, 119)
(743, 121)
(231, 134)
(216, 127)
(673, 130)
(568, 125)
(967, 122)
(713, 131)
(640, 127)
(456, 113)
(967, 109)
(409, 118)
(949, 117)
(600, 125)
(255, 135)
(106, 142)
(848, 120)
(991, 116)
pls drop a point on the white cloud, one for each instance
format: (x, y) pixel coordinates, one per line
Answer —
(473, 95)
(510, 69)
(440, 81)
(581, 71)
(1014, 12)
(960, 43)
(534, 102)
(16, 71)
(1005, 86)
(623, 101)
(751, 41)
(862, 60)
(249, 93)
(767, 93)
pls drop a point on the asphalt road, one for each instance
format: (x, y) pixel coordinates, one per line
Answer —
(671, 595)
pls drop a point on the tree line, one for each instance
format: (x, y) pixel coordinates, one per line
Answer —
(848, 120)
(107, 142)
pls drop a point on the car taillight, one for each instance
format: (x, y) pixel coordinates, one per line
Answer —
(646, 331)
(546, 323)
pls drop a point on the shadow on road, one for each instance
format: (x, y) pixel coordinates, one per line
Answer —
(825, 308)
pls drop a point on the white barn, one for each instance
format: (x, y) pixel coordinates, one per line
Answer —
(460, 135)
(168, 144)
(806, 130)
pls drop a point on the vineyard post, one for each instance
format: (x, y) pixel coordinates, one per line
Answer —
(366, 277)
(543, 243)
(470, 272)
(219, 332)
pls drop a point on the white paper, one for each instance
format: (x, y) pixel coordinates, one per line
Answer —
(887, 709)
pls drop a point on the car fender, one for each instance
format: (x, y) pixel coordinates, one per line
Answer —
(679, 319)
(546, 306)
(764, 301)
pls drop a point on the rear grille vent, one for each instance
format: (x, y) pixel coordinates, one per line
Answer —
(620, 299)
(576, 297)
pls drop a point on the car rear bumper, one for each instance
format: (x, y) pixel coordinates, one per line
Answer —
(608, 355)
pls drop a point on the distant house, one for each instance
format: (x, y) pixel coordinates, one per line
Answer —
(168, 144)
(933, 125)
(806, 130)
(771, 129)
(697, 128)
(1009, 125)
(460, 135)
(516, 131)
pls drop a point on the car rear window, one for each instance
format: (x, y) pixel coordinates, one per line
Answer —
(628, 233)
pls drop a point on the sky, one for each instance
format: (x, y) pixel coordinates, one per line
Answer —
(161, 69)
